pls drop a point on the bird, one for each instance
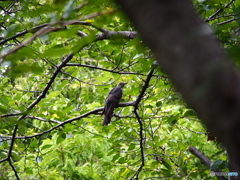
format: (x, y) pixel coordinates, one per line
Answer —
(113, 98)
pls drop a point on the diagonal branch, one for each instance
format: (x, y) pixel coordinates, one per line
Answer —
(219, 11)
(41, 32)
(50, 82)
(204, 160)
(14, 170)
(34, 29)
(228, 21)
(144, 87)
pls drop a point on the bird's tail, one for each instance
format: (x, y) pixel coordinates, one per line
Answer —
(107, 120)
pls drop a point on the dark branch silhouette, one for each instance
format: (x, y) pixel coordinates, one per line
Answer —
(204, 160)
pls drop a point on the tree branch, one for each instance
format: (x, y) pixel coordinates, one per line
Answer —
(219, 11)
(117, 35)
(144, 87)
(227, 21)
(36, 28)
(108, 70)
(42, 119)
(204, 160)
(141, 136)
(14, 170)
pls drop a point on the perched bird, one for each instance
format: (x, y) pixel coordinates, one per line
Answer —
(111, 102)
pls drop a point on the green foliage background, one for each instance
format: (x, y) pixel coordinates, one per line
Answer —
(61, 136)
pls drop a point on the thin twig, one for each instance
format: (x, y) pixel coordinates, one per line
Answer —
(23, 33)
(219, 11)
(108, 70)
(227, 21)
(141, 144)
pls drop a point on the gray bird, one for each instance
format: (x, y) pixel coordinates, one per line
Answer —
(111, 102)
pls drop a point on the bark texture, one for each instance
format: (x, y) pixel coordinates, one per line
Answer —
(187, 51)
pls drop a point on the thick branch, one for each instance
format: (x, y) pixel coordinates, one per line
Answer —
(204, 160)
(200, 156)
(117, 35)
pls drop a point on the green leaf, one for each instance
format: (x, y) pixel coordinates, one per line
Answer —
(29, 170)
(121, 160)
(87, 40)
(216, 164)
(167, 164)
(159, 103)
(34, 143)
(189, 113)
(60, 138)
(3, 109)
(131, 147)
(46, 146)
(68, 9)
(56, 51)
(137, 56)
(54, 94)
(115, 157)
(172, 120)
(162, 142)
(11, 30)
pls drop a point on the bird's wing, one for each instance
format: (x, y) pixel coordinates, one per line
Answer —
(108, 97)
(112, 100)
(109, 110)
(111, 92)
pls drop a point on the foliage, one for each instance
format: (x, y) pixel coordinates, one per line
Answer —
(59, 59)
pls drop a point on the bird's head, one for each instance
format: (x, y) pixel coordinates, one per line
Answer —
(121, 84)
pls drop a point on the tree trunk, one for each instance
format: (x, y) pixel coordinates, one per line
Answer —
(187, 51)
